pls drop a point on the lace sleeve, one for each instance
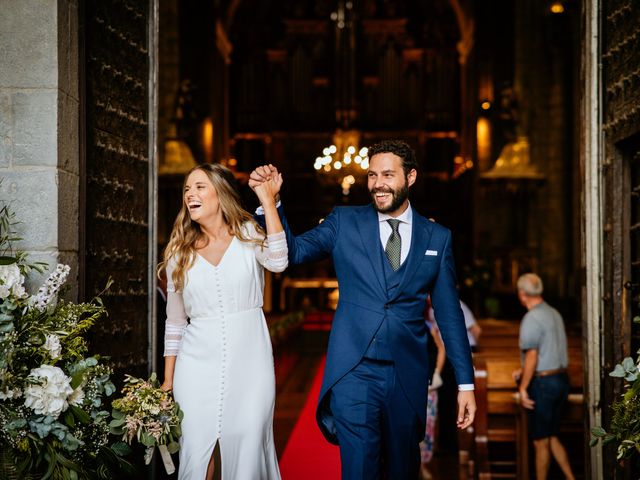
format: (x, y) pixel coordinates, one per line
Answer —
(274, 255)
(176, 317)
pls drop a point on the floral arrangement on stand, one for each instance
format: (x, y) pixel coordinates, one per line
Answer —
(150, 416)
(53, 417)
(624, 431)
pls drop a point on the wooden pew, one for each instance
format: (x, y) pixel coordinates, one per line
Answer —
(500, 419)
(496, 414)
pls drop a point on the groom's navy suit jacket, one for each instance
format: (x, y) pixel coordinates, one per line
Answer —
(350, 235)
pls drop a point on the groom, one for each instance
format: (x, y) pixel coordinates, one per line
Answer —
(387, 258)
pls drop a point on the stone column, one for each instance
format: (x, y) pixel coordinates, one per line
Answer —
(39, 140)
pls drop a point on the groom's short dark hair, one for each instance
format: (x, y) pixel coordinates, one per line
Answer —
(399, 148)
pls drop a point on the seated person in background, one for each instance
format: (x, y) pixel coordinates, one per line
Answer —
(543, 379)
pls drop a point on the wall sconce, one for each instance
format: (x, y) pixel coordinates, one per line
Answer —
(483, 136)
(556, 7)
(207, 139)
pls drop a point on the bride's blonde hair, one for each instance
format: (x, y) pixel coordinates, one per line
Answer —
(186, 234)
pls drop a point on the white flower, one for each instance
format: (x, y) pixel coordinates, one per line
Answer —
(77, 397)
(10, 275)
(52, 345)
(50, 396)
(11, 282)
(49, 289)
(8, 394)
(19, 291)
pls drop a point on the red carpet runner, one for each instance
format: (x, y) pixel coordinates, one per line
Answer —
(308, 456)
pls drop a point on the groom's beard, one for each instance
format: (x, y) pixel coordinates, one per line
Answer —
(398, 196)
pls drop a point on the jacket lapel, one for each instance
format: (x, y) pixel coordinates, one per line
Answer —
(370, 236)
(421, 230)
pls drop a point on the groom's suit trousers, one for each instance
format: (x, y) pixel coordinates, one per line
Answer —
(377, 428)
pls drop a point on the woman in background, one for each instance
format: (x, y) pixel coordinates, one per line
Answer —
(426, 446)
(219, 363)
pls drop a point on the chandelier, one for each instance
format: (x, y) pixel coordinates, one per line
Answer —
(343, 161)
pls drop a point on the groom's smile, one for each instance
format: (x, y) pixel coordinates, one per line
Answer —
(388, 183)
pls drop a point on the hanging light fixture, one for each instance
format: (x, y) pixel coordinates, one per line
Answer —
(343, 161)
(514, 163)
(177, 158)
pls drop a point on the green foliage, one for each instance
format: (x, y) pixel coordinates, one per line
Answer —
(7, 237)
(624, 431)
(54, 421)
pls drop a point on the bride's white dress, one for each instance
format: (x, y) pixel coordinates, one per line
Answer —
(224, 375)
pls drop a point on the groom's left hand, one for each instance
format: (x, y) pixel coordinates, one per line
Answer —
(466, 409)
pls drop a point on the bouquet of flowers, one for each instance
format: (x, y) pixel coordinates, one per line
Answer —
(149, 415)
(53, 421)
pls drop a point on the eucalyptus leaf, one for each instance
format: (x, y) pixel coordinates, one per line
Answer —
(6, 327)
(618, 371)
(117, 422)
(16, 423)
(147, 440)
(628, 364)
(109, 389)
(117, 414)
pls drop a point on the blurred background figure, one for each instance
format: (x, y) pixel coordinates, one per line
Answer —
(437, 358)
(473, 329)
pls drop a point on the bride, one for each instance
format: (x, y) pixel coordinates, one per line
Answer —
(218, 357)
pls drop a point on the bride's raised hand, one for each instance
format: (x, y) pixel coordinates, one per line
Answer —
(269, 189)
(262, 174)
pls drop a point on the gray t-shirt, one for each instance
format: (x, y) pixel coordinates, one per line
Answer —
(542, 328)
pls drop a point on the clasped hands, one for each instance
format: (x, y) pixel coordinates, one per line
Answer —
(266, 181)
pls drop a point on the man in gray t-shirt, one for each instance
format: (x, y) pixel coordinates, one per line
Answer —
(543, 381)
(542, 328)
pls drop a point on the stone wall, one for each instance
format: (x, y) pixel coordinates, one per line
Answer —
(39, 141)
